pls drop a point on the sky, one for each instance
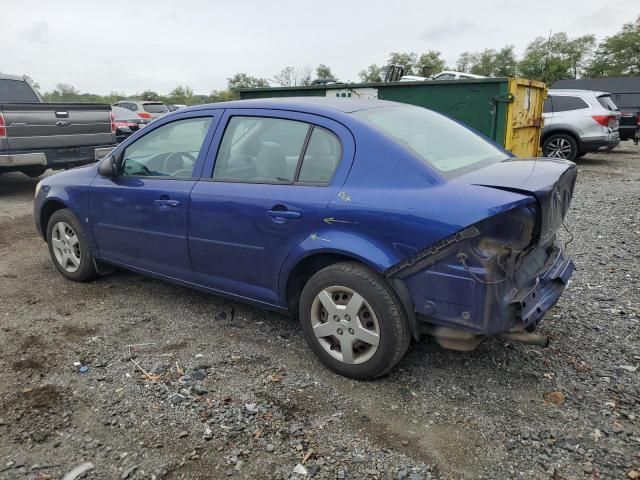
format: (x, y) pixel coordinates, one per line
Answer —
(104, 46)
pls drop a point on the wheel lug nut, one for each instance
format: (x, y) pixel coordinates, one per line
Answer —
(351, 331)
(336, 318)
(347, 318)
(339, 331)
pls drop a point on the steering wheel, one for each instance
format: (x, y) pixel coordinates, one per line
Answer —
(169, 165)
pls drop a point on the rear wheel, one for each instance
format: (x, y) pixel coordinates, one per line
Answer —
(353, 322)
(68, 247)
(33, 171)
(560, 145)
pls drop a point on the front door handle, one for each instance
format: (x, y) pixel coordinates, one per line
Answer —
(165, 204)
(283, 214)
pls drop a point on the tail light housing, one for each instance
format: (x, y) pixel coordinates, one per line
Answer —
(113, 123)
(3, 127)
(144, 115)
(604, 120)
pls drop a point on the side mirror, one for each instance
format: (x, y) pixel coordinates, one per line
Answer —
(108, 167)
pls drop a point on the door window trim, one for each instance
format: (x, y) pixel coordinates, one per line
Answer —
(303, 151)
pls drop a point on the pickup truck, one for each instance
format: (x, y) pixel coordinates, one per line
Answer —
(35, 136)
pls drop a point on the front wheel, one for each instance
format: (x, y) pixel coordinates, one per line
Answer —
(353, 321)
(68, 247)
(560, 145)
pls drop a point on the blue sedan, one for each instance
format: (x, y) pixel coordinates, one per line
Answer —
(372, 222)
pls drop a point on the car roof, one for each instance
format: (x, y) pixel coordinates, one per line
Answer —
(575, 91)
(4, 76)
(611, 84)
(310, 104)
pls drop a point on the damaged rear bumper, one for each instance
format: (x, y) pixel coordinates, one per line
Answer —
(479, 300)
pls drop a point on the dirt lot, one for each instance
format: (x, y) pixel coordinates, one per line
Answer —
(232, 391)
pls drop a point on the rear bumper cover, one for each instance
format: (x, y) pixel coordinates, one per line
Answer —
(595, 145)
(22, 159)
(453, 297)
(55, 157)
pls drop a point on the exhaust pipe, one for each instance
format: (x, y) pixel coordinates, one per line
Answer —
(526, 337)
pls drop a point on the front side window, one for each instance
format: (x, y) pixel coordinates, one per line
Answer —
(260, 150)
(440, 142)
(168, 151)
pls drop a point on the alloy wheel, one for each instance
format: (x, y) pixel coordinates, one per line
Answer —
(66, 246)
(559, 148)
(345, 325)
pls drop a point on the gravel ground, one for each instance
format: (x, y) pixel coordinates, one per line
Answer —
(226, 390)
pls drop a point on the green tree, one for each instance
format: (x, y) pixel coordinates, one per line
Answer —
(149, 95)
(291, 77)
(409, 61)
(242, 80)
(181, 95)
(465, 61)
(506, 63)
(373, 73)
(323, 71)
(555, 58)
(618, 54)
(430, 63)
(492, 63)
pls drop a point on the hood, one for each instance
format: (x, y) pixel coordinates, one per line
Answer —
(550, 181)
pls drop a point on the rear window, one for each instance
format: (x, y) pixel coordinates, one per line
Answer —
(440, 142)
(16, 91)
(155, 108)
(606, 102)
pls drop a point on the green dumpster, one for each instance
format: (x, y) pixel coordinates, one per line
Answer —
(507, 110)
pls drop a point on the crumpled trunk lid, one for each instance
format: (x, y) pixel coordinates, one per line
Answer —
(550, 181)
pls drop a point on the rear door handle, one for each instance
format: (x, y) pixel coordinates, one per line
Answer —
(284, 214)
(165, 204)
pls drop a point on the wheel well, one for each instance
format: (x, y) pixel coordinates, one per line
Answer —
(563, 132)
(47, 210)
(304, 270)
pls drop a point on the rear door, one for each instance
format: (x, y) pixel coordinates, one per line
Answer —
(274, 174)
(139, 218)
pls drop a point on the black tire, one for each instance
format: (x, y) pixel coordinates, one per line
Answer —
(33, 171)
(560, 145)
(392, 324)
(86, 269)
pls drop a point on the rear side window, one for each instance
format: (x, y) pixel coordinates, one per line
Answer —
(547, 107)
(260, 150)
(606, 102)
(16, 91)
(155, 108)
(566, 103)
(321, 157)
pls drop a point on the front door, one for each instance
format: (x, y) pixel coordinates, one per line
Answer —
(274, 174)
(139, 218)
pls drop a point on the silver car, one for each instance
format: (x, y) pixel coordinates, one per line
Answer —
(577, 122)
(144, 109)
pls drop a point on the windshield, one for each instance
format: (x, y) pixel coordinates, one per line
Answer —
(155, 108)
(439, 141)
(16, 91)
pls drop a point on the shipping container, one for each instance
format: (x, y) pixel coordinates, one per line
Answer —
(507, 110)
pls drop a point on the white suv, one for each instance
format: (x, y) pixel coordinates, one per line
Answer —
(577, 122)
(144, 109)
